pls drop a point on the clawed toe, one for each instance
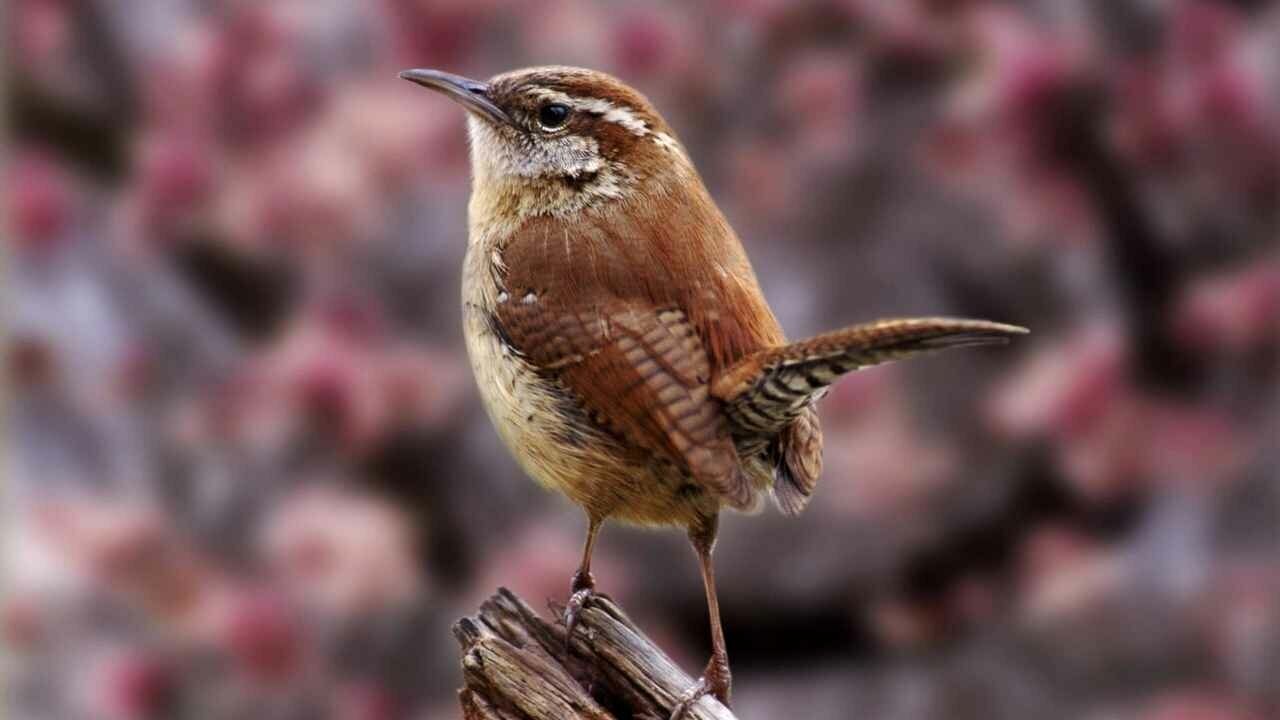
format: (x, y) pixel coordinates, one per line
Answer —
(577, 602)
(714, 681)
(691, 696)
(583, 589)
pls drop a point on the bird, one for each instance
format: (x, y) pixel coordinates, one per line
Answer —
(620, 340)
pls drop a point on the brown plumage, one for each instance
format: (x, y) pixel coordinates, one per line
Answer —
(617, 331)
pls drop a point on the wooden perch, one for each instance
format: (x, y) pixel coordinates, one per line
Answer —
(514, 667)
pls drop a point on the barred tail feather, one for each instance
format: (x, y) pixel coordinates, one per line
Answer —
(798, 463)
(765, 392)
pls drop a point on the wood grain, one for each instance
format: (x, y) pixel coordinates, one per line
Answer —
(515, 667)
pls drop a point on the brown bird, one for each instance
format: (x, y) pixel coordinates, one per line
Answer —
(618, 334)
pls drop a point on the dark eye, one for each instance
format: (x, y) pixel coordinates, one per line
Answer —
(553, 116)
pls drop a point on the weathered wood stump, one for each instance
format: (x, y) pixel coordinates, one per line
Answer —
(515, 667)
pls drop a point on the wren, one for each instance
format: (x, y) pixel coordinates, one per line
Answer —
(618, 335)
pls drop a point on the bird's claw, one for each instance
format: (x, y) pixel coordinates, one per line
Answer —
(715, 681)
(582, 591)
(577, 602)
(691, 696)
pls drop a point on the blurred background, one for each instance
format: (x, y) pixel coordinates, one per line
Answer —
(247, 474)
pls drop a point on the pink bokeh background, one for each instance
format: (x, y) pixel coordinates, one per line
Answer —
(247, 474)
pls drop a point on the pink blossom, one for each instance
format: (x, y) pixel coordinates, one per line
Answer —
(1231, 312)
(261, 632)
(345, 553)
(40, 204)
(134, 684)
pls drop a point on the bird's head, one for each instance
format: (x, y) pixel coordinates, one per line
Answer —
(569, 137)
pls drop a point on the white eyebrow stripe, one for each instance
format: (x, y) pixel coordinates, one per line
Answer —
(615, 114)
(608, 111)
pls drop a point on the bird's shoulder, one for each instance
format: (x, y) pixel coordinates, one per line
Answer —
(652, 258)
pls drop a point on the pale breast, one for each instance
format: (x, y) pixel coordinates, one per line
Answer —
(519, 402)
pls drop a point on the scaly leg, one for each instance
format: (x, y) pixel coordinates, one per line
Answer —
(716, 679)
(583, 587)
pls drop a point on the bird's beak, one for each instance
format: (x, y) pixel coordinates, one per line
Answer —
(470, 94)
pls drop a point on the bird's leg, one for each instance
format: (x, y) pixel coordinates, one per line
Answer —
(716, 679)
(583, 587)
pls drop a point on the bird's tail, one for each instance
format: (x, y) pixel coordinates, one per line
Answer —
(766, 391)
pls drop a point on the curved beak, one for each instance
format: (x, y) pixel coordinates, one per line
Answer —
(470, 94)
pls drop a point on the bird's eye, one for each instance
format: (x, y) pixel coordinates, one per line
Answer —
(553, 116)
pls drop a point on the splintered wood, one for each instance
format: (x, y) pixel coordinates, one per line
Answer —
(515, 667)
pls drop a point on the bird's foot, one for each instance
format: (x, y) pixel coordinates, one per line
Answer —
(580, 592)
(715, 681)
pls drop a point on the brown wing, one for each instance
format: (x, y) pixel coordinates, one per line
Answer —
(641, 372)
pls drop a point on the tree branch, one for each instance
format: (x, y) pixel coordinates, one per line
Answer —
(514, 667)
